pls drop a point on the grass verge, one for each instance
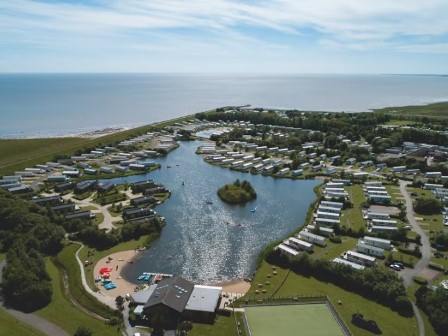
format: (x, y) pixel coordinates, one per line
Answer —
(10, 326)
(65, 314)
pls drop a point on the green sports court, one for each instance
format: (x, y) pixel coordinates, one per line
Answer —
(294, 319)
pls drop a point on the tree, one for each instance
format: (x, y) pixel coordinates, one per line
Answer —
(427, 206)
(83, 331)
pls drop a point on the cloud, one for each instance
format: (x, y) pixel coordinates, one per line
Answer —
(225, 27)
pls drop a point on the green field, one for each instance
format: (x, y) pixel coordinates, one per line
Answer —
(12, 327)
(16, 154)
(352, 217)
(310, 319)
(289, 284)
(434, 111)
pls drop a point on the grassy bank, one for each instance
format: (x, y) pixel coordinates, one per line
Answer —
(21, 153)
(223, 326)
(12, 327)
(66, 261)
(65, 314)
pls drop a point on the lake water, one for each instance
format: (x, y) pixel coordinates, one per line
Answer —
(214, 242)
(41, 105)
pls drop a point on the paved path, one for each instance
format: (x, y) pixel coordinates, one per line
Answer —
(408, 273)
(425, 248)
(108, 222)
(107, 300)
(31, 319)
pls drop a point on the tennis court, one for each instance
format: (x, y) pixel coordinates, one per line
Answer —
(300, 319)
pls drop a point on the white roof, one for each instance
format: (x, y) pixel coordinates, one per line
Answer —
(349, 263)
(204, 298)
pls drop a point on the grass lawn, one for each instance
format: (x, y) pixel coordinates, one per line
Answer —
(333, 250)
(114, 213)
(310, 319)
(431, 223)
(88, 207)
(94, 255)
(223, 326)
(2, 256)
(287, 284)
(63, 313)
(12, 327)
(407, 259)
(440, 261)
(352, 218)
(99, 218)
(394, 192)
(109, 197)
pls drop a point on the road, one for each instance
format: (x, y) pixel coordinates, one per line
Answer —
(409, 273)
(425, 248)
(31, 319)
(108, 222)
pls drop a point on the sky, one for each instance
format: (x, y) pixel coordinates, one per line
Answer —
(225, 36)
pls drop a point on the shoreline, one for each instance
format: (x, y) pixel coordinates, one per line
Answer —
(118, 261)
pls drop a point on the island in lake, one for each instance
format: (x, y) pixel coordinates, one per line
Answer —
(237, 192)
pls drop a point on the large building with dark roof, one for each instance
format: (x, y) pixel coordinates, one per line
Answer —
(176, 297)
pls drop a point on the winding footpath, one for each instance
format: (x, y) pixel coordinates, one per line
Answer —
(31, 319)
(409, 273)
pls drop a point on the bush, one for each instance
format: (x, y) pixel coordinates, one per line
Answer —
(370, 325)
(238, 192)
(420, 280)
(427, 206)
(435, 304)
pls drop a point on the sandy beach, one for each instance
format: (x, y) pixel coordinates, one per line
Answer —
(235, 286)
(116, 261)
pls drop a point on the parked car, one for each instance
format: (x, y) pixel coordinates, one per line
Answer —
(395, 267)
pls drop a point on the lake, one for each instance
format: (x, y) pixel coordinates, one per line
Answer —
(59, 104)
(215, 242)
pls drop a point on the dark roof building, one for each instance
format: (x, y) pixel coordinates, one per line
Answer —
(64, 208)
(48, 200)
(173, 293)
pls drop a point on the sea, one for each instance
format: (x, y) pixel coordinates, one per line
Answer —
(41, 105)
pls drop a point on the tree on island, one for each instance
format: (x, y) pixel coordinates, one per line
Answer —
(237, 192)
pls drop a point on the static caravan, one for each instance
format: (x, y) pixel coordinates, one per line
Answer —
(362, 247)
(327, 215)
(378, 242)
(339, 205)
(324, 231)
(286, 250)
(376, 228)
(312, 238)
(348, 263)
(360, 258)
(299, 244)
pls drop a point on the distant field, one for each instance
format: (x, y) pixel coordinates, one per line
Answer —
(16, 154)
(310, 319)
(435, 110)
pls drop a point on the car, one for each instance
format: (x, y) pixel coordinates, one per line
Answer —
(395, 267)
(399, 264)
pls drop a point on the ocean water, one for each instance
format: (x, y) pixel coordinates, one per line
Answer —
(58, 104)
